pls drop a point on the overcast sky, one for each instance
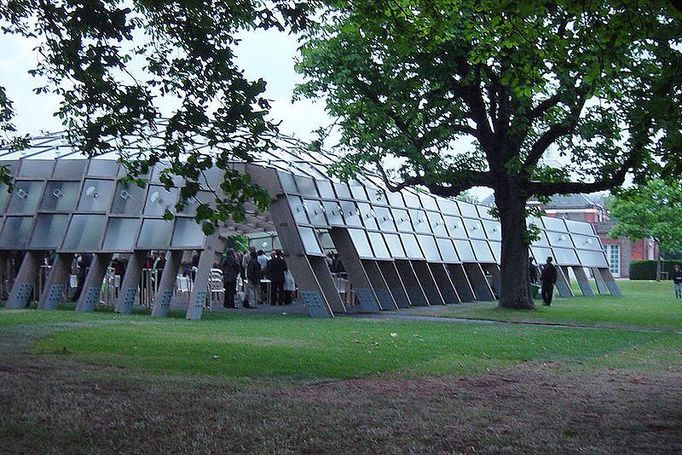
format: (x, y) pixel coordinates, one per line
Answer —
(266, 54)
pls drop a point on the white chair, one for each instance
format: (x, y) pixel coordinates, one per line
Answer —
(216, 287)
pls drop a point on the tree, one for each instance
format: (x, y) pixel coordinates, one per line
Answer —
(598, 81)
(652, 211)
(114, 63)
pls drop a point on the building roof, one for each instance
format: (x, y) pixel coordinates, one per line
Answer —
(560, 201)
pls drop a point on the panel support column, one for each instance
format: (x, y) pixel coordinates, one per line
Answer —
(562, 284)
(610, 282)
(493, 270)
(479, 283)
(55, 285)
(164, 293)
(583, 282)
(461, 282)
(412, 285)
(25, 281)
(447, 288)
(395, 283)
(197, 297)
(423, 272)
(379, 285)
(93, 282)
(130, 283)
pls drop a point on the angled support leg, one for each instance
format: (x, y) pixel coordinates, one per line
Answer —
(379, 285)
(197, 297)
(55, 285)
(482, 290)
(461, 282)
(395, 283)
(599, 281)
(431, 289)
(412, 285)
(93, 282)
(495, 277)
(25, 281)
(131, 282)
(164, 293)
(583, 282)
(610, 283)
(447, 288)
(562, 285)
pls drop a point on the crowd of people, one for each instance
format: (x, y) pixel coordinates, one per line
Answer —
(257, 272)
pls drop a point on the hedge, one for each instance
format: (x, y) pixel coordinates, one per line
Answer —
(646, 270)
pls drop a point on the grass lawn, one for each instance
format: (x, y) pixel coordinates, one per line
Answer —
(645, 304)
(243, 383)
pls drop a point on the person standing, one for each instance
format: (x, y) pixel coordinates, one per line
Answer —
(253, 276)
(532, 271)
(677, 281)
(277, 267)
(548, 278)
(231, 269)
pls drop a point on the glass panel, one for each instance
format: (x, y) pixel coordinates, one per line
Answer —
(376, 195)
(306, 186)
(395, 246)
(351, 214)
(464, 251)
(447, 251)
(428, 202)
(103, 168)
(326, 189)
(333, 212)
(586, 242)
(36, 168)
(96, 195)
(482, 251)
(326, 240)
(211, 178)
(542, 240)
(202, 197)
(455, 227)
(155, 235)
(25, 197)
(358, 192)
(359, 238)
(368, 216)
(554, 224)
(385, 219)
(541, 253)
(411, 200)
(402, 220)
(592, 259)
(342, 190)
(484, 212)
(447, 207)
(16, 232)
(315, 212)
(310, 243)
(4, 198)
(474, 228)
(69, 169)
(579, 228)
(428, 245)
(560, 240)
(564, 256)
(128, 199)
(468, 210)
(159, 200)
(379, 246)
(419, 221)
(187, 233)
(411, 246)
(121, 234)
(262, 243)
(287, 181)
(395, 199)
(85, 233)
(60, 196)
(497, 251)
(49, 231)
(492, 229)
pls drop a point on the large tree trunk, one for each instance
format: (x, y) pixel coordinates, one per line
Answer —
(515, 280)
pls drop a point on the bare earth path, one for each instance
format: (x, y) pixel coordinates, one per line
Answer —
(52, 404)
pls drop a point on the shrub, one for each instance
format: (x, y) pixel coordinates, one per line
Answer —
(646, 270)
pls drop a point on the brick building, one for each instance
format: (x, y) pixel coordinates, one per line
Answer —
(579, 207)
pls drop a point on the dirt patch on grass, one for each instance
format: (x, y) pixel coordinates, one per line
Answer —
(49, 404)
